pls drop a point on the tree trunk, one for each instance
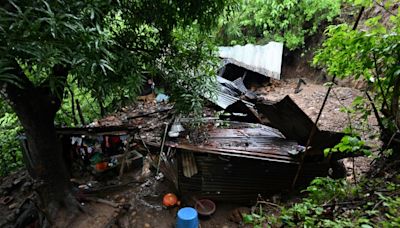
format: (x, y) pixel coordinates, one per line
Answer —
(36, 108)
(45, 160)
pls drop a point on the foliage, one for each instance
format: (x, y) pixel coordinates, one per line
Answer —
(88, 104)
(107, 49)
(352, 141)
(256, 219)
(349, 144)
(336, 203)
(288, 21)
(372, 54)
(109, 46)
(10, 150)
(192, 68)
(314, 210)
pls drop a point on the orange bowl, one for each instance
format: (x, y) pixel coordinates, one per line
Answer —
(170, 199)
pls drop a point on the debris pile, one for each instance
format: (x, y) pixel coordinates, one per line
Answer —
(252, 147)
(242, 148)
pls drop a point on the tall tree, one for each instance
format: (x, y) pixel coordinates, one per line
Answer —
(102, 45)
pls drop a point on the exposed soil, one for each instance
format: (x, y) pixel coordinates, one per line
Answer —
(310, 100)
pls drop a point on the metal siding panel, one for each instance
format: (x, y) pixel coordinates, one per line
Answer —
(266, 59)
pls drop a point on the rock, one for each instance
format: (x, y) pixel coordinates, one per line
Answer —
(17, 181)
(13, 206)
(147, 225)
(6, 200)
(10, 217)
(26, 186)
(237, 214)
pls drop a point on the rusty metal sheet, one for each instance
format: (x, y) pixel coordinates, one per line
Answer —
(234, 179)
(250, 115)
(252, 141)
(288, 118)
(189, 164)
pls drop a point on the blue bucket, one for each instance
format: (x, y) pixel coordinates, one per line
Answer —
(187, 218)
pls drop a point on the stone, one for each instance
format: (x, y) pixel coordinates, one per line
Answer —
(13, 206)
(10, 217)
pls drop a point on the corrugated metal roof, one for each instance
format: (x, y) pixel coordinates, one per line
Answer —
(291, 120)
(224, 100)
(245, 140)
(266, 59)
(240, 85)
(241, 180)
(230, 85)
(227, 94)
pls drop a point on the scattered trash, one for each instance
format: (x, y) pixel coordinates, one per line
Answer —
(162, 98)
(147, 183)
(297, 150)
(101, 166)
(176, 128)
(159, 176)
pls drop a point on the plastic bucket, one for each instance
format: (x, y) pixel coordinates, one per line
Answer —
(187, 218)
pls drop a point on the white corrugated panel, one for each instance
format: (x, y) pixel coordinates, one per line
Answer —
(265, 59)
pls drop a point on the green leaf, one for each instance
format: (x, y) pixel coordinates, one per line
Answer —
(248, 219)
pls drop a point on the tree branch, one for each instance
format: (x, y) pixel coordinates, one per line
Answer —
(13, 92)
(395, 102)
(377, 75)
(383, 7)
(376, 113)
(24, 95)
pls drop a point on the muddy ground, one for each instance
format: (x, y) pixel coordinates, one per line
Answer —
(333, 118)
(139, 198)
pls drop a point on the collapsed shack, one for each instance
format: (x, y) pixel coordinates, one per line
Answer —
(241, 161)
(253, 148)
(222, 160)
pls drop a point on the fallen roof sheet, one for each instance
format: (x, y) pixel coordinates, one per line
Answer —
(225, 100)
(248, 141)
(240, 85)
(266, 59)
(227, 95)
(288, 118)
